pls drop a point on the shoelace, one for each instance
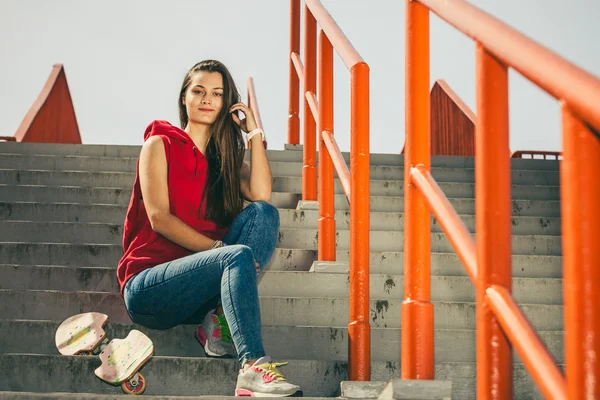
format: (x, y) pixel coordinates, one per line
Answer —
(225, 334)
(271, 370)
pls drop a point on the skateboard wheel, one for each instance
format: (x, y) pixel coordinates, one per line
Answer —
(136, 385)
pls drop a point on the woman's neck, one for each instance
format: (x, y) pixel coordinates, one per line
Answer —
(199, 134)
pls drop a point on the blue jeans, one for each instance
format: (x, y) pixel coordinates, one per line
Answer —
(184, 290)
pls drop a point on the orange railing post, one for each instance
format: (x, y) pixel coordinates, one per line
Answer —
(580, 208)
(499, 319)
(326, 180)
(359, 329)
(356, 186)
(493, 223)
(294, 79)
(417, 310)
(309, 168)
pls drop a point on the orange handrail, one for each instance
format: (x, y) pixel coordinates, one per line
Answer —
(550, 72)
(253, 104)
(311, 98)
(338, 162)
(498, 317)
(299, 70)
(318, 109)
(528, 344)
(438, 203)
(294, 87)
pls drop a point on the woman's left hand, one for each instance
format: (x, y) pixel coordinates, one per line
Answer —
(249, 122)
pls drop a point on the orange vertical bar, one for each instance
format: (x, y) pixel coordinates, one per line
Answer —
(359, 329)
(417, 310)
(309, 169)
(294, 92)
(580, 208)
(493, 223)
(248, 102)
(326, 182)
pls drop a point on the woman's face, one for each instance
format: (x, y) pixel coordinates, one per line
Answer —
(204, 97)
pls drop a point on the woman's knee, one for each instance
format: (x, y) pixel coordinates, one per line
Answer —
(267, 213)
(241, 256)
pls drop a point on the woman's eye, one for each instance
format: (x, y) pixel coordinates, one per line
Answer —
(218, 94)
(196, 92)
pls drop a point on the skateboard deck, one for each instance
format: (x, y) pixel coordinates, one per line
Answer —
(81, 333)
(122, 358)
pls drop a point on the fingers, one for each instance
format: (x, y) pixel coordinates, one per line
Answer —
(247, 124)
(240, 107)
(236, 119)
(257, 267)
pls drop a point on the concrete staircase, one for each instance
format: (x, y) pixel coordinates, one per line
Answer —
(61, 214)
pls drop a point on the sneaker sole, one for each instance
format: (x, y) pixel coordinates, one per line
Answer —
(249, 393)
(201, 337)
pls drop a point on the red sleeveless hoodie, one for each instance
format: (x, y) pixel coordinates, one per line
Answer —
(186, 177)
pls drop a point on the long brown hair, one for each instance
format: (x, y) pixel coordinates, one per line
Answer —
(224, 151)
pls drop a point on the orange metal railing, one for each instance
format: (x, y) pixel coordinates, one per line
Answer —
(319, 111)
(253, 104)
(500, 321)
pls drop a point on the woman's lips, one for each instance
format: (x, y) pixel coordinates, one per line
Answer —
(206, 109)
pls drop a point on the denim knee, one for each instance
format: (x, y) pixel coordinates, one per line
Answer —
(242, 256)
(268, 214)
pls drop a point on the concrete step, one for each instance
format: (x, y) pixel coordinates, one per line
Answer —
(288, 200)
(276, 311)
(101, 233)
(300, 219)
(55, 149)
(309, 343)
(112, 151)
(178, 376)
(529, 208)
(71, 193)
(88, 255)
(279, 283)
(128, 164)
(278, 169)
(95, 396)
(165, 375)
(394, 221)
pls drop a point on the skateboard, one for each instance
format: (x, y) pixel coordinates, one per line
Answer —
(121, 359)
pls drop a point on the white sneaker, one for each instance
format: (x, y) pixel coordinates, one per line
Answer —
(214, 335)
(263, 379)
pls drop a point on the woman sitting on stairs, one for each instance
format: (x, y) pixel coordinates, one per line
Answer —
(192, 252)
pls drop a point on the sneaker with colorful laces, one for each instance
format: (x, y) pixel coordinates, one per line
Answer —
(214, 335)
(263, 379)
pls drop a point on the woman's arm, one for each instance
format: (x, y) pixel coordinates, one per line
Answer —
(256, 181)
(155, 194)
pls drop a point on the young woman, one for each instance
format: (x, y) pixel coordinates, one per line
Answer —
(190, 246)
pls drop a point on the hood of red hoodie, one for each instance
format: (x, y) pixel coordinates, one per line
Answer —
(165, 128)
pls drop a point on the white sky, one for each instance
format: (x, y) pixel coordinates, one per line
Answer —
(125, 60)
